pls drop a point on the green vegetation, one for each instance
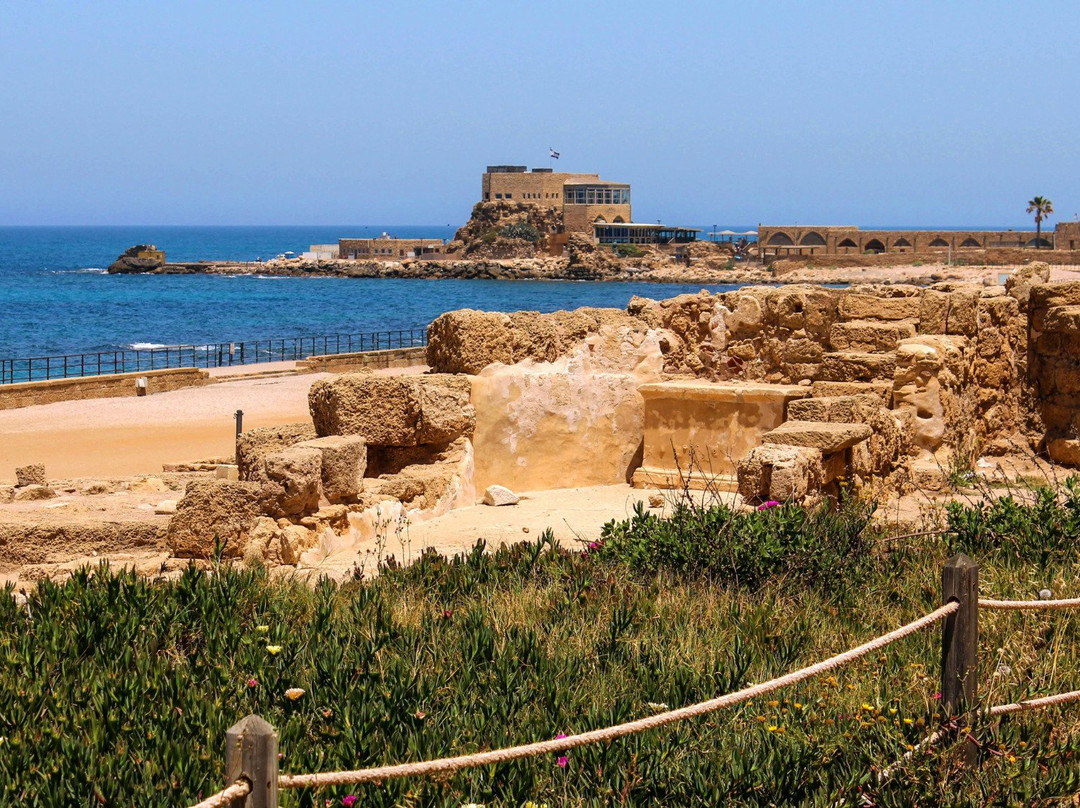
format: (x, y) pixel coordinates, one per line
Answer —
(117, 691)
(628, 250)
(521, 230)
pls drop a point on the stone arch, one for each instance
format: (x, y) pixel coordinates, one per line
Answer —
(812, 239)
(901, 242)
(599, 220)
(1038, 242)
(970, 242)
(847, 243)
(780, 240)
(874, 245)
(939, 242)
(618, 220)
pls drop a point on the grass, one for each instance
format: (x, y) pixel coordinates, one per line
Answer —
(117, 691)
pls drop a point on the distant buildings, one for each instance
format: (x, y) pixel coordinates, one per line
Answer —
(588, 204)
(778, 242)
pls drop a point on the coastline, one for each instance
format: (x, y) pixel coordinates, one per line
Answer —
(560, 269)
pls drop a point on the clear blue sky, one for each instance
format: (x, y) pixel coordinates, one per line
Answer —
(337, 112)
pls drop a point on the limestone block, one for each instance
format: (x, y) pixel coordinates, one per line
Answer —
(826, 437)
(857, 367)
(869, 337)
(166, 507)
(31, 475)
(344, 461)
(270, 543)
(255, 444)
(1062, 320)
(803, 307)
(1048, 295)
(393, 410)
(467, 341)
(7, 494)
(213, 514)
(29, 493)
(532, 424)
(1020, 282)
(867, 302)
(298, 470)
(498, 495)
(802, 351)
(881, 389)
(782, 473)
(1065, 451)
(227, 471)
(927, 374)
(950, 308)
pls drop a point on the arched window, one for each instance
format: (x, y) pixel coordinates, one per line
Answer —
(901, 242)
(599, 220)
(812, 239)
(780, 240)
(847, 243)
(873, 245)
(970, 242)
(939, 242)
(1038, 242)
(619, 220)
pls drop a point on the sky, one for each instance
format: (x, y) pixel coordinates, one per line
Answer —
(943, 113)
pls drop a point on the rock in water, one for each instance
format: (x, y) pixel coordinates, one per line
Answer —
(497, 495)
(140, 258)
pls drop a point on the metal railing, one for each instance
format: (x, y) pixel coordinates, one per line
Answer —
(212, 355)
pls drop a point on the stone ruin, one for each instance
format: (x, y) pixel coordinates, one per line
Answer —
(774, 392)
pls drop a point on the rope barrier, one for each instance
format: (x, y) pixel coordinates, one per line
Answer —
(453, 764)
(226, 797)
(1018, 605)
(1000, 709)
(1035, 704)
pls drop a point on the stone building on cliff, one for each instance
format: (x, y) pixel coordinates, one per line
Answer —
(588, 205)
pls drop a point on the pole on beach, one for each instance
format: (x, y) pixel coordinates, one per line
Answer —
(239, 416)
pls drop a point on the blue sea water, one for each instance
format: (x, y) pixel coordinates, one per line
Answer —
(56, 299)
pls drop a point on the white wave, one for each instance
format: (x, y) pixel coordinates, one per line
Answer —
(146, 346)
(94, 270)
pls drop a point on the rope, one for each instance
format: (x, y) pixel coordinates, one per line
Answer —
(1035, 704)
(1016, 605)
(1000, 709)
(454, 764)
(226, 797)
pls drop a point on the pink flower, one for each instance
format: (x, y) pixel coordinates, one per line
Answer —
(253, 683)
(560, 735)
(349, 800)
(447, 614)
(936, 696)
(562, 761)
(764, 506)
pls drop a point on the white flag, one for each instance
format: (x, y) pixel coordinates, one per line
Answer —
(554, 153)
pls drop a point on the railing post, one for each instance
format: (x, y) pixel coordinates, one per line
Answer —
(959, 641)
(251, 747)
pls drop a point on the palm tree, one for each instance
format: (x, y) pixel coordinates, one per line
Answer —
(1042, 208)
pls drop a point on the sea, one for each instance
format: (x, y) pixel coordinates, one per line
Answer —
(56, 298)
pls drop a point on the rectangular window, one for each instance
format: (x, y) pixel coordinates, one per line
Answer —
(498, 196)
(509, 196)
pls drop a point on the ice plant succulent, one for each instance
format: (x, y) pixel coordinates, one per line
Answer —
(293, 693)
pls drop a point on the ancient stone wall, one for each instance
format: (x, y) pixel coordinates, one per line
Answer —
(1054, 365)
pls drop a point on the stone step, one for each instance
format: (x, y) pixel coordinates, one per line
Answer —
(828, 437)
(857, 367)
(838, 409)
(869, 336)
(880, 389)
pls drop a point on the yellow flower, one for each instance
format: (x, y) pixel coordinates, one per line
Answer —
(761, 719)
(273, 649)
(1011, 758)
(892, 711)
(774, 703)
(798, 705)
(773, 728)
(262, 629)
(867, 707)
(908, 721)
(293, 693)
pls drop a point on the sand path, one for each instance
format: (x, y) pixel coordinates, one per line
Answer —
(111, 437)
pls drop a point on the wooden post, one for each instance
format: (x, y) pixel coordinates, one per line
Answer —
(960, 639)
(251, 753)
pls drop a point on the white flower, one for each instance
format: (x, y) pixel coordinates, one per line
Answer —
(1045, 594)
(293, 693)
